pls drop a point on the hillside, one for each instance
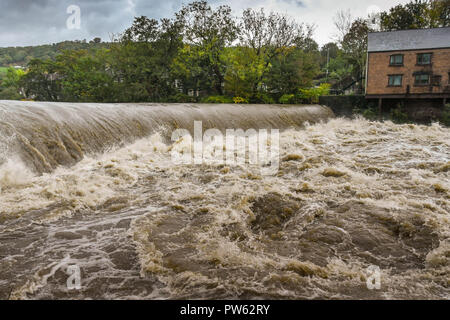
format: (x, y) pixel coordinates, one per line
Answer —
(20, 56)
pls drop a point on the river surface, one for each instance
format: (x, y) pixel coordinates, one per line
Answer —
(349, 196)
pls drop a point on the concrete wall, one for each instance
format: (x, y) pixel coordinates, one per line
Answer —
(344, 105)
(417, 110)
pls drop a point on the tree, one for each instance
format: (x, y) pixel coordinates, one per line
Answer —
(292, 71)
(328, 52)
(5, 60)
(339, 69)
(439, 13)
(10, 85)
(244, 69)
(142, 57)
(354, 46)
(417, 14)
(343, 22)
(38, 82)
(19, 56)
(84, 77)
(208, 32)
(269, 36)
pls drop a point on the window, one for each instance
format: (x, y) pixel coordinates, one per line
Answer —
(396, 60)
(422, 79)
(424, 58)
(395, 80)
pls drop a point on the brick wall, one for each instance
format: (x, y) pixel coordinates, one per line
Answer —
(379, 68)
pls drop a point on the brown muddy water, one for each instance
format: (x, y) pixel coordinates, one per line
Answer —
(95, 186)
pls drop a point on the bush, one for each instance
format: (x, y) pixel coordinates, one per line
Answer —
(182, 98)
(287, 99)
(10, 93)
(240, 100)
(445, 118)
(262, 98)
(312, 95)
(398, 116)
(370, 114)
(217, 99)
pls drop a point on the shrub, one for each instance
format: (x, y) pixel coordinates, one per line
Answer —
(217, 99)
(240, 100)
(445, 118)
(287, 99)
(312, 95)
(182, 98)
(10, 93)
(262, 98)
(369, 113)
(397, 115)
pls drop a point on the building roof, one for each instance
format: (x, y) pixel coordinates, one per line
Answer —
(414, 39)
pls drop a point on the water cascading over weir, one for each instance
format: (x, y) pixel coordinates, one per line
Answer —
(48, 134)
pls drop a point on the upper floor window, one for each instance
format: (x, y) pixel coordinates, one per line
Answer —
(395, 80)
(396, 60)
(424, 58)
(422, 79)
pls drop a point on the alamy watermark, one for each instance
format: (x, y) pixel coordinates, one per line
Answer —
(373, 280)
(74, 279)
(237, 147)
(74, 20)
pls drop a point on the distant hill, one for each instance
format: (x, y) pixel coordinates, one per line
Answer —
(20, 56)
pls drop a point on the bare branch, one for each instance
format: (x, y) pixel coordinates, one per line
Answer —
(343, 22)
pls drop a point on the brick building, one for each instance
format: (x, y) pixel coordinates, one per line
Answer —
(412, 66)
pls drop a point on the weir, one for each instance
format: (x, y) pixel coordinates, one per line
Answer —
(48, 134)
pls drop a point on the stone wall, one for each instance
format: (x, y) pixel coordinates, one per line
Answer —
(344, 105)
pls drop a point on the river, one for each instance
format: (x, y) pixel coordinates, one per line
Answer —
(95, 186)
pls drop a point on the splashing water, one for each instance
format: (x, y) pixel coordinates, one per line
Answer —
(349, 194)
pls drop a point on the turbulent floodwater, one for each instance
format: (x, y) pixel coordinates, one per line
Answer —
(349, 194)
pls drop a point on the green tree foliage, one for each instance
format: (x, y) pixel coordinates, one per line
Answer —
(245, 68)
(270, 36)
(74, 76)
(84, 77)
(40, 82)
(354, 46)
(329, 51)
(5, 59)
(206, 54)
(141, 60)
(417, 14)
(398, 115)
(207, 32)
(312, 95)
(21, 56)
(10, 84)
(217, 99)
(296, 69)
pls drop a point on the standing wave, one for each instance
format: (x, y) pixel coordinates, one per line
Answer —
(47, 134)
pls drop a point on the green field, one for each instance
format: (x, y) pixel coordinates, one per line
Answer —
(3, 69)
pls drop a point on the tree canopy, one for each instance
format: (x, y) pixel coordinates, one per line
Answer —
(205, 53)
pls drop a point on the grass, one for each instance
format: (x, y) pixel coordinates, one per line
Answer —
(3, 70)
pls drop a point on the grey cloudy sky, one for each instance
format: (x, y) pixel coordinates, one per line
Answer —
(26, 22)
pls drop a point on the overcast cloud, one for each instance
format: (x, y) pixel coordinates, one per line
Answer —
(26, 22)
